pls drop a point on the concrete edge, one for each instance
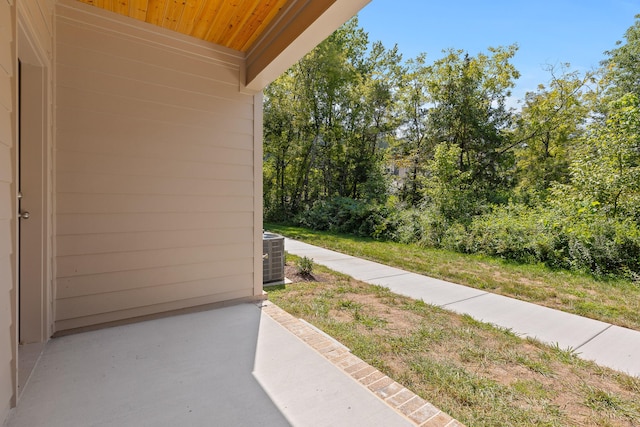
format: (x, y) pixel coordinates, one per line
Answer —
(402, 400)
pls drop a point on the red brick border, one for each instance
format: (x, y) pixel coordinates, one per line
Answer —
(403, 400)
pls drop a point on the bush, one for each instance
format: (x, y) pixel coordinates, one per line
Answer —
(514, 232)
(564, 233)
(605, 246)
(408, 227)
(424, 226)
(304, 266)
(558, 235)
(345, 215)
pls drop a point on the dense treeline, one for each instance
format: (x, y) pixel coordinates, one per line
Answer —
(358, 140)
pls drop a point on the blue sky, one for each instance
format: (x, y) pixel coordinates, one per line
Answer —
(547, 32)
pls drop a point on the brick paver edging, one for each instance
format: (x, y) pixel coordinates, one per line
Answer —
(406, 402)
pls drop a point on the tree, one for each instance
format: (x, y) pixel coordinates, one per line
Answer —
(621, 69)
(279, 131)
(413, 148)
(469, 109)
(447, 190)
(547, 129)
(372, 122)
(325, 121)
(607, 168)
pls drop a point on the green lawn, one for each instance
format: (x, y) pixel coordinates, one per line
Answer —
(615, 301)
(477, 373)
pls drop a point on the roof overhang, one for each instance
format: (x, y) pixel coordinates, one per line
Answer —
(297, 31)
(272, 34)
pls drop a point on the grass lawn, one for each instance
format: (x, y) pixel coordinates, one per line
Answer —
(615, 301)
(479, 374)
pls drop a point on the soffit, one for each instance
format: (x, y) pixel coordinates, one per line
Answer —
(235, 24)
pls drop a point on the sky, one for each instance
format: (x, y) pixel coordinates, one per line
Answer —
(547, 31)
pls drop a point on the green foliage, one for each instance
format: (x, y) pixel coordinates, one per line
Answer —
(547, 130)
(622, 74)
(421, 225)
(458, 100)
(557, 182)
(560, 235)
(607, 169)
(515, 232)
(449, 190)
(346, 215)
(469, 110)
(413, 146)
(304, 266)
(326, 121)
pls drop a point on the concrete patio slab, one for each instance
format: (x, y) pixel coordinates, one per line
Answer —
(616, 347)
(233, 366)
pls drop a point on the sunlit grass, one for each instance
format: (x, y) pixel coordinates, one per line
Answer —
(615, 301)
(479, 374)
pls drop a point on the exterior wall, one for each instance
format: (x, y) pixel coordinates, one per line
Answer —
(35, 18)
(155, 171)
(7, 264)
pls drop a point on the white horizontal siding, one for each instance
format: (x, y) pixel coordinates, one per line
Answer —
(6, 98)
(160, 131)
(6, 37)
(101, 243)
(154, 171)
(5, 156)
(92, 287)
(75, 203)
(106, 104)
(181, 95)
(74, 224)
(93, 183)
(87, 163)
(201, 79)
(6, 127)
(91, 264)
(153, 149)
(157, 307)
(83, 306)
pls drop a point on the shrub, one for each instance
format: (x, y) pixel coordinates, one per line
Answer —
(345, 215)
(579, 238)
(514, 232)
(563, 233)
(604, 246)
(304, 266)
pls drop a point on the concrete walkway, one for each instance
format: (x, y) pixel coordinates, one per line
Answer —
(606, 344)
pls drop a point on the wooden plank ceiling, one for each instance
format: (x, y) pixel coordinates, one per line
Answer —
(235, 24)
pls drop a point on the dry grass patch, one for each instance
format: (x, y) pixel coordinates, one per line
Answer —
(479, 374)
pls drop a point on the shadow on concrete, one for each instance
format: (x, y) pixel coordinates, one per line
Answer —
(231, 366)
(192, 369)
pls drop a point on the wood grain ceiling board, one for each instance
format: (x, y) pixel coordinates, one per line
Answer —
(235, 24)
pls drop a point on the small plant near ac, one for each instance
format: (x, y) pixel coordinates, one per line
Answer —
(304, 266)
